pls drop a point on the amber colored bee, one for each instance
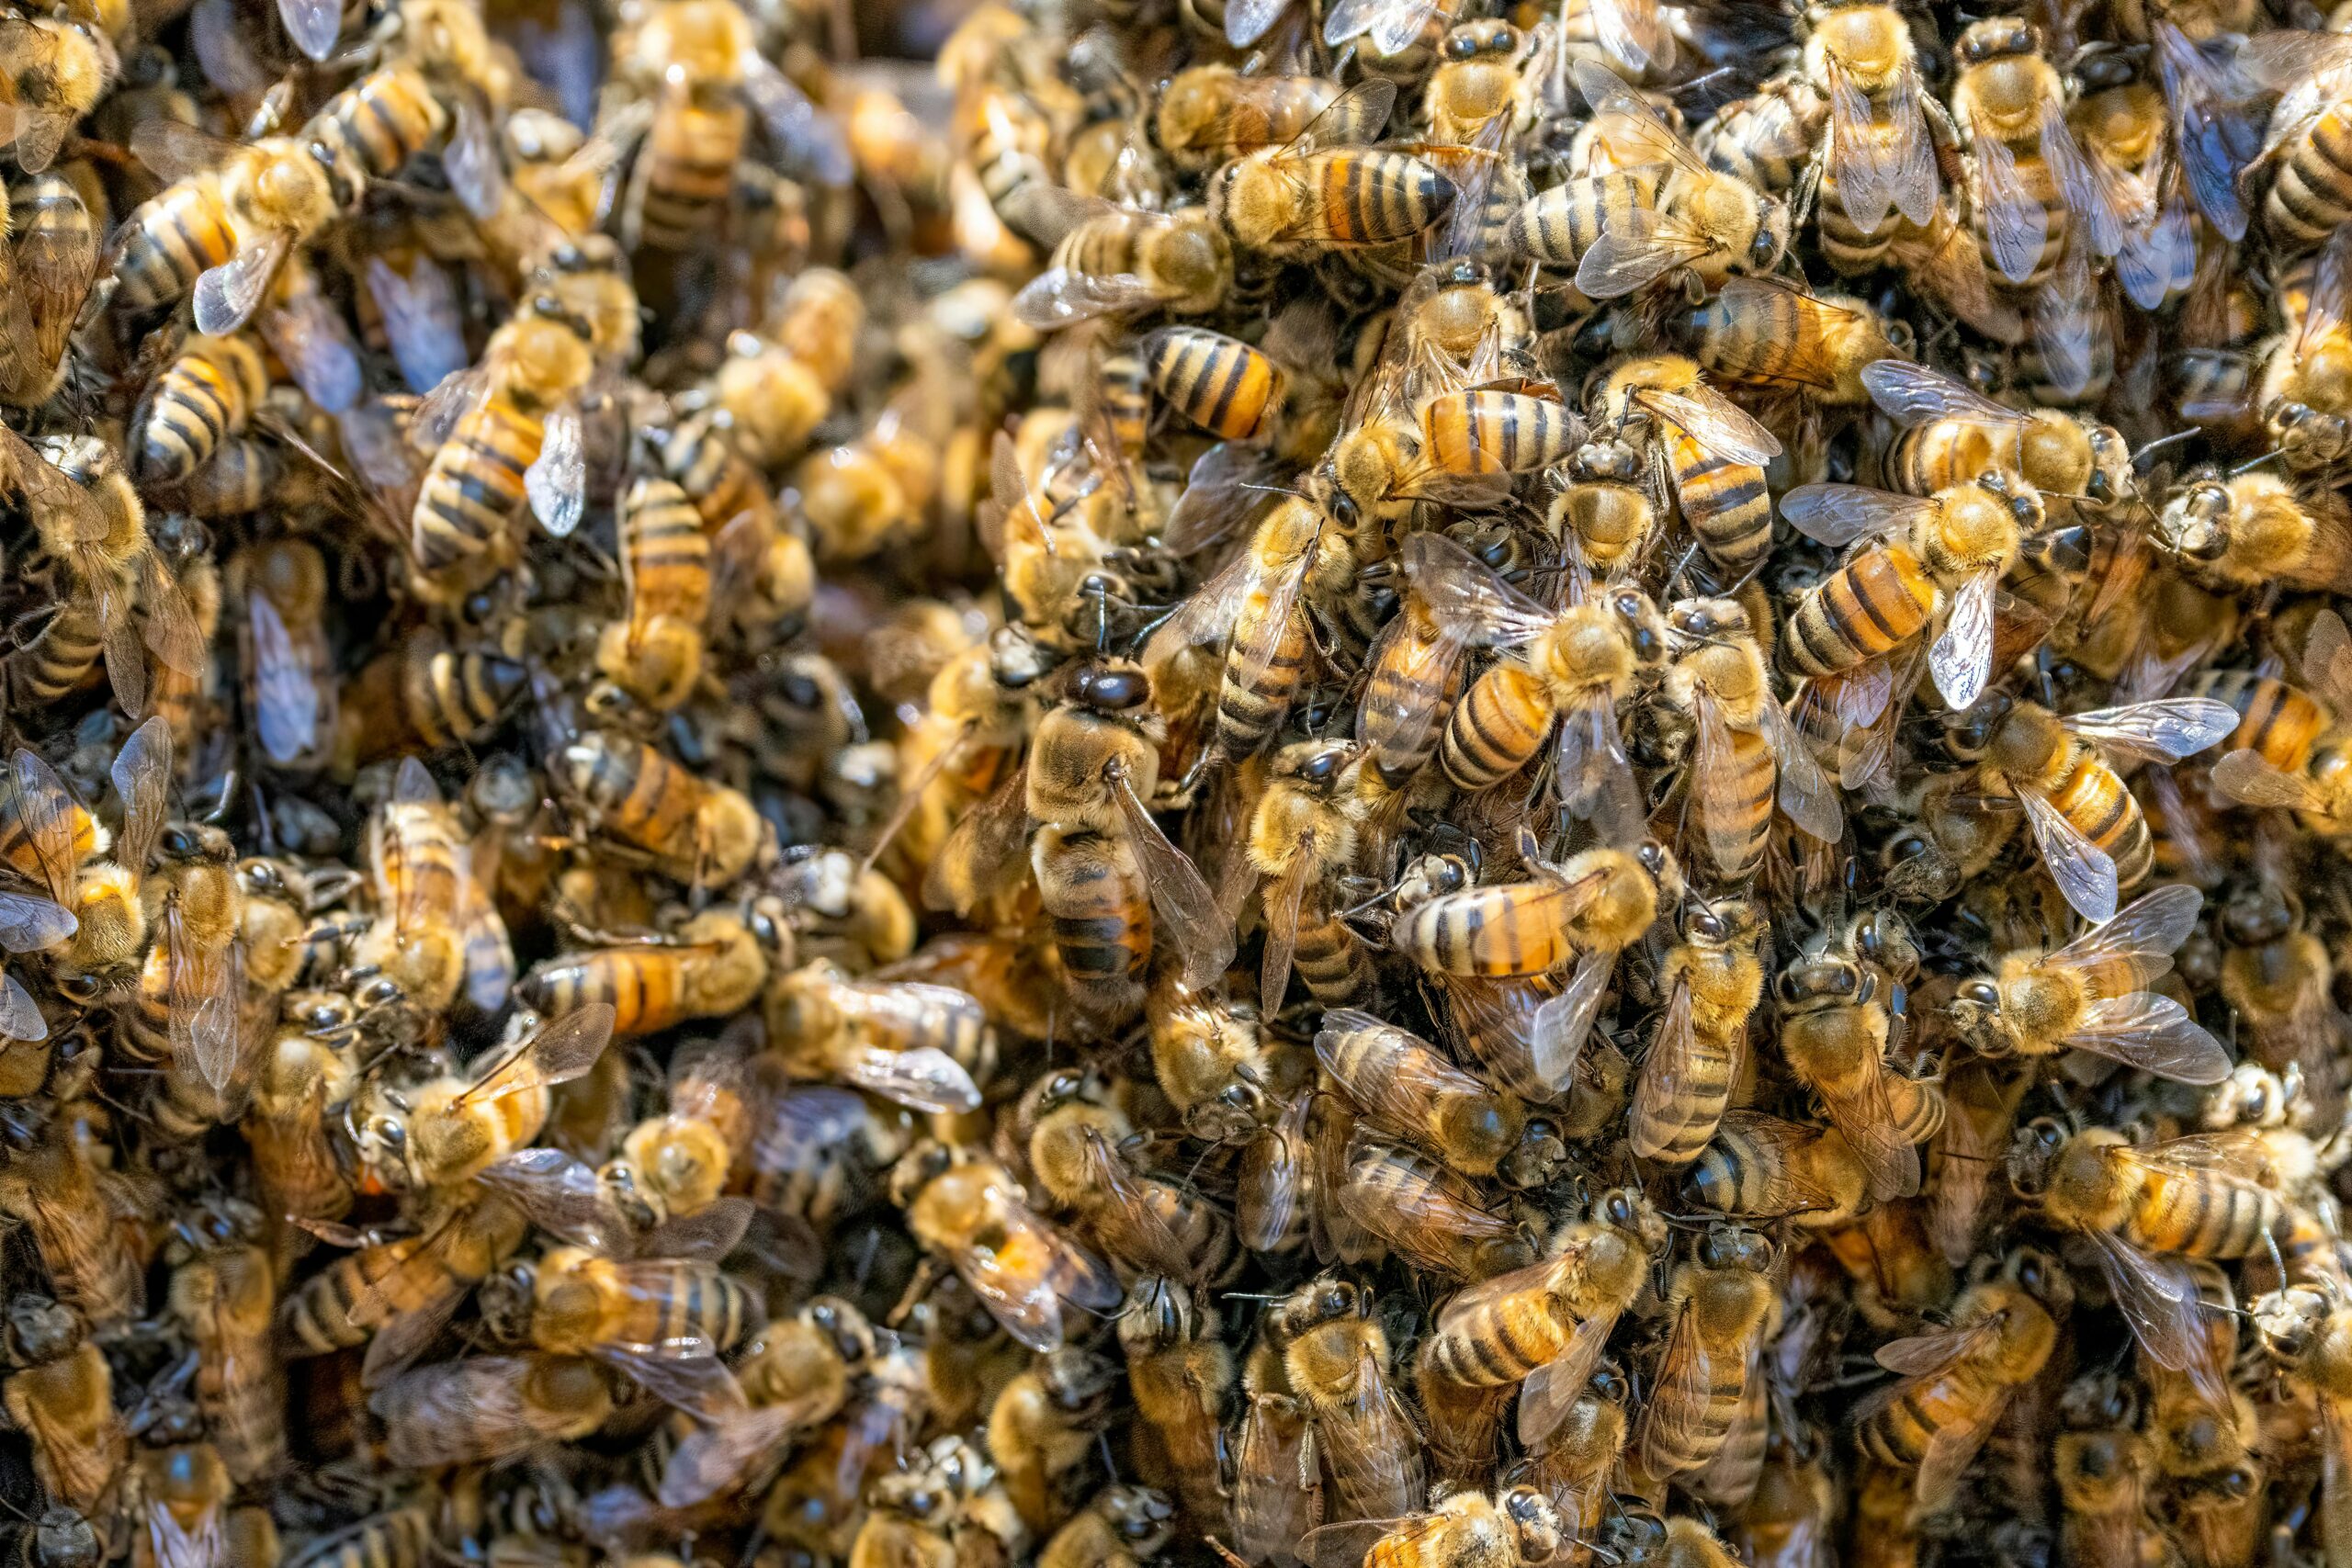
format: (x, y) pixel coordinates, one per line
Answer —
(226, 1298)
(970, 1210)
(1713, 977)
(221, 228)
(452, 1127)
(51, 1186)
(1762, 332)
(1718, 1302)
(396, 1294)
(62, 1396)
(1336, 1357)
(920, 1045)
(487, 1408)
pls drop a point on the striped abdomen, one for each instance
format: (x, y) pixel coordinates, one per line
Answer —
(449, 697)
(1560, 225)
(1676, 1125)
(316, 1319)
(1848, 251)
(645, 985)
(1500, 1339)
(1736, 806)
(689, 172)
(240, 1383)
(696, 1301)
(17, 848)
(2275, 719)
(1219, 383)
(1413, 672)
(1330, 958)
(202, 397)
(721, 481)
(1364, 198)
(1505, 930)
(400, 1538)
(379, 123)
(1491, 430)
(1767, 139)
(2313, 193)
(171, 241)
(475, 484)
(2102, 810)
(1248, 711)
(2040, 185)
(637, 793)
(1918, 1106)
(2201, 1214)
(417, 854)
(1733, 1176)
(63, 658)
(1726, 504)
(669, 554)
(1869, 605)
(1123, 383)
(1100, 910)
(1500, 723)
(1936, 456)
(1901, 1431)
(242, 477)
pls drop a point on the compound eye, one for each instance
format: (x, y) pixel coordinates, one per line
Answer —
(1618, 1210)
(1981, 992)
(82, 988)
(178, 843)
(2049, 1133)
(1708, 928)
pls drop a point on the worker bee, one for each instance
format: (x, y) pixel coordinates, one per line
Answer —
(1403, 1083)
(225, 1295)
(225, 224)
(2092, 994)
(2255, 528)
(2093, 839)
(970, 1210)
(2145, 1211)
(1111, 260)
(1080, 1150)
(904, 1041)
(1714, 979)
(1718, 1302)
(1304, 831)
(208, 391)
(1208, 114)
(1276, 394)
(1761, 331)
(1424, 1210)
(62, 1397)
(712, 965)
(1336, 1357)
(1714, 452)
(59, 68)
(488, 1408)
(1954, 433)
(662, 1321)
(289, 679)
(1835, 1029)
(1314, 192)
(1517, 1528)
(695, 831)
(1759, 1168)
(1211, 1060)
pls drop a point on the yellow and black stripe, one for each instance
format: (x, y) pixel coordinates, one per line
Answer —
(1219, 383)
(475, 484)
(204, 396)
(1559, 226)
(171, 241)
(2094, 799)
(2275, 719)
(2312, 195)
(1497, 727)
(1870, 605)
(379, 123)
(689, 172)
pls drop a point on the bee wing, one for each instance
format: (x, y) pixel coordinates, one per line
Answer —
(2158, 258)
(403, 1337)
(984, 849)
(2094, 190)
(1640, 136)
(1129, 1223)
(810, 139)
(1227, 484)
(305, 332)
(174, 149)
(2235, 1157)
(2152, 1032)
(557, 481)
(1400, 22)
(2015, 225)
(2157, 1297)
(1632, 31)
(200, 990)
(454, 395)
(2069, 320)
(2215, 143)
(1361, 112)
(705, 1235)
(1785, 1191)
(1931, 1355)
(227, 295)
(1060, 296)
(2251, 779)
(1839, 514)
(29, 923)
(1370, 1441)
(172, 632)
(313, 25)
(695, 1380)
(1725, 429)
(45, 812)
(1206, 619)
(285, 700)
(1561, 1024)
(562, 1195)
(1395, 718)
(923, 1079)
(1273, 1180)
(2084, 872)
(563, 1049)
(2327, 661)
(2163, 731)
(56, 263)
(1667, 1064)
(1861, 1111)
(1591, 775)
(176, 1546)
(1682, 1392)
(1913, 395)
(1639, 246)
(1909, 166)
(1807, 797)
(1182, 900)
(1401, 1094)
(421, 321)
(2144, 933)
(725, 1456)
(1960, 658)
(470, 156)
(1283, 898)
(1552, 1390)
(1715, 781)
(21, 1017)
(803, 1125)
(1026, 1308)
(1464, 592)
(1246, 21)
(1855, 162)
(1277, 1490)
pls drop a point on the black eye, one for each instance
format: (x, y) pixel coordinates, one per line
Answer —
(1983, 993)
(81, 988)
(1707, 926)
(2049, 1135)
(1619, 1211)
(178, 843)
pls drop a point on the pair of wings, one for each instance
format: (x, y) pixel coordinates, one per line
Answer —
(1447, 1219)
(1802, 789)
(1025, 1296)
(1878, 167)
(2110, 205)
(1548, 1393)
(2125, 1021)
(142, 774)
(1647, 243)
(294, 690)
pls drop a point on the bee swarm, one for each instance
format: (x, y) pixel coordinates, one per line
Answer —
(1092, 782)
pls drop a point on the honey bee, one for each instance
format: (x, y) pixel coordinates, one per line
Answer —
(1080, 1148)
(62, 1397)
(1879, 153)
(1121, 1527)
(226, 1297)
(53, 1186)
(1304, 828)
(224, 225)
(397, 1294)
(2257, 528)
(1957, 1381)
(713, 965)
(1275, 395)
(1761, 331)
(1211, 1061)
(1180, 1371)
(1518, 1526)
(695, 831)
(1109, 260)
(906, 1041)
(1544, 1326)
(1954, 433)
(1208, 114)
(663, 1322)
(426, 900)
(656, 651)
(1402, 1083)
(2093, 839)
(1425, 1211)
(452, 1127)
(1691, 219)
(423, 693)
(207, 392)
(1718, 1302)
(489, 1408)
(179, 1490)
(2103, 1471)
(2285, 755)
(1835, 1025)
(2302, 1330)
(290, 675)
(1043, 1426)
(1761, 1167)
(1714, 452)
(59, 69)
(2195, 1197)
(1314, 193)
(1336, 1357)
(969, 1210)
(1714, 979)
(2092, 994)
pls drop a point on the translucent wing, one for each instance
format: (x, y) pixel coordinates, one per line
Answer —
(691, 1380)
(1561, 1023)
(177, 1547)
(46, 813)
(285, 706)
(924, 1078)
(1227, 484)
(57, 260)
(2251, 779)
(174, 150)
(1910, 158)
(1181, 900)
(2327, 661)
(30, 924)
(563, 1197)
(1960, 658)
(2158, 1296)
(1782, 1191)
(201, 987)
(1282, 899)
(141, 771)
(1859, 1108)
(985, 848)
(1461, 589)
(20, 1015)
(454, 397)
(1931, 1355)
(1640, 245)
(1637, 135)
(1632, 31)
(1273, 1180)
(1721, 426)
(1807, 797)
(2084, 872)
(1061, 296)
(1552, 1390)
(2089, 185)
(422, 1279)
(1128, 1222)
(2162, 731)
(1401, 1096)
(563, 1049)
(470, 158)
(1952, 1449)
(1856, 163)
(2144, 933)
(1913, 395)
(707, 1235)
(1838, 515)
(2015, 225)
(313, 25)
(1400, 22)
(557, 480)
(1663, 1071)
(1397, 717)
(1026, 1307)
(1686, 1377)
(1246, 21)
(812, 139)
(421, 321)
(2214, 143)
(227, 295)
(729, 1454)
(2068, 324)
(1277, 1491)
(1369, 1442)
(2155, 1032)
(1591, 775)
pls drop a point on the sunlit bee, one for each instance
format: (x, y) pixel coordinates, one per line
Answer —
(1954, 433)
(2276, 760)
(920, 1045)
(1760, 331)
(1306, 197)
(2259, 528)
(2311, 193)
(205, 393)
(2092, 839)
(1714, 979)
(713, 965)
(1208, 114)
(1112, 260)
(1878, 156)
(1714, 451)
(222, 226)
(1219, 383)
(1767, 139)
(1304, 831)
(455, 1126)
(1718, 1302)
(969, 1210)
(382, 121)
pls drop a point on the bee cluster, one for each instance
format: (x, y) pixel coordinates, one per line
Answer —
(1253, 782)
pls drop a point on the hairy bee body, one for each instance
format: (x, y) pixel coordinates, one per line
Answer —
(1866, 608)
(171, 240)
(380, 122)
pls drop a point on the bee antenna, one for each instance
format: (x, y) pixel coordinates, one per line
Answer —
(2248, 467)
(2141, 452)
